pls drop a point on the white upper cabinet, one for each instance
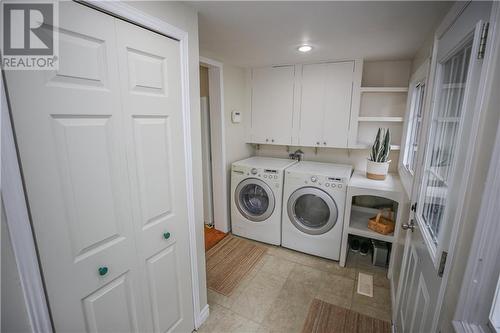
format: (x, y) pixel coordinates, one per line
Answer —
(325, 104)
(272, 104)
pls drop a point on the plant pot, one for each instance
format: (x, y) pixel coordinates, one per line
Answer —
(377, 170)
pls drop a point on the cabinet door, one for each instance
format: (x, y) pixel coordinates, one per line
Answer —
(338, 104)
(312, 104)
(272, 104)
(326, 104)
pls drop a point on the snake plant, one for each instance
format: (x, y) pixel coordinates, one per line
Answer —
(381, 147)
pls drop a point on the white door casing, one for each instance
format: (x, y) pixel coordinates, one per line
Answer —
(72, 135)
(208, 213)
(423, 281)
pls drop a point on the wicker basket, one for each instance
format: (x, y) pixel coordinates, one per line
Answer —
(383, 223)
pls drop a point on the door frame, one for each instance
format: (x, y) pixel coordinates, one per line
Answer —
(479, 281)
(24, 244)
(218, 143)
(19, 226)
(455, 11)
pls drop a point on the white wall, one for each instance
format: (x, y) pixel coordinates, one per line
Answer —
(355, 157)
(14, 313)
(186, 18)
(235, 90)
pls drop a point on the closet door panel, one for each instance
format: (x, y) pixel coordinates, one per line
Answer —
(69, 130)
(150, 72)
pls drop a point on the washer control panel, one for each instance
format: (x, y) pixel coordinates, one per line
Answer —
(272, 175)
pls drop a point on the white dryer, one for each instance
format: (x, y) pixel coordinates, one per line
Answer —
(313, 207)
(257, 192)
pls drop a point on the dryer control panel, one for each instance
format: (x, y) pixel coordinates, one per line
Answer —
(324, 181)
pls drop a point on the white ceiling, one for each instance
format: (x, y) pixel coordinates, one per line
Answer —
(265, 33)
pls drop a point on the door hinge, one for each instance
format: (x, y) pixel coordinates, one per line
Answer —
(482, 42)
(414, 207)
(442, 263)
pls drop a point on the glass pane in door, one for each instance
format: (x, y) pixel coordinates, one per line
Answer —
(414, 128)
(254, 199)
(312, 211)
(445, 125)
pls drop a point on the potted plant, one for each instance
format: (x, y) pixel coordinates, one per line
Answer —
(378, 164)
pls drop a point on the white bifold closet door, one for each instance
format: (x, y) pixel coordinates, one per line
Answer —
(102, 151)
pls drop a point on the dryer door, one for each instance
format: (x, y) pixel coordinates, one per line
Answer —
(254, 199)
(312, 210)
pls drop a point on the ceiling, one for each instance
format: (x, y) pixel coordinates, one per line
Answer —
(266, 33)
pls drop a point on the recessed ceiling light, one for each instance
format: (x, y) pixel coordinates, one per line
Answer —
(305, 48)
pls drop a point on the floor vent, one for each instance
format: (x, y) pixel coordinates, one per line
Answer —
(365, 284)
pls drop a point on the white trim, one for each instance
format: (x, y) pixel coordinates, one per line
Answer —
(18, 224)
(204, 313)
(483, 266)
(218, 138)
(419, 77)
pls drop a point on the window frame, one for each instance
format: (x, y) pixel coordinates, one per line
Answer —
(419, 78)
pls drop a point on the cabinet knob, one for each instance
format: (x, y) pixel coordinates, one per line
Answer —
(272, 140)
(166, 235)
(324, 143)
(267, 140)
(103, 270)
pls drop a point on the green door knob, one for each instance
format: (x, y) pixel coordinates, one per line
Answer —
(166, 235)
(102, 270)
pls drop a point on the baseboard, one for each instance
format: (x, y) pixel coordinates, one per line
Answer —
(393, 304)
(202, 316)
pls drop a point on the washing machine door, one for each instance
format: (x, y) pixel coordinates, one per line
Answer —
(312, 210)
(254, 199)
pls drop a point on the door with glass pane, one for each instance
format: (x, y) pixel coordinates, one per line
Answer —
(441, 169)
(254, 199)
(312, 210)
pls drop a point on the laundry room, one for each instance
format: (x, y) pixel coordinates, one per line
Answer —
(250, 166)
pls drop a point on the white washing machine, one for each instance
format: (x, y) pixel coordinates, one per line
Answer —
(313, 207)
(257, 192)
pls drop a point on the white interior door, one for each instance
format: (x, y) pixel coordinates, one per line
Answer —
(100, 144)
(438, 190)
(149, 67)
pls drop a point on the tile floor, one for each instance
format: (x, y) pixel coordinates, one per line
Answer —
(275, 296)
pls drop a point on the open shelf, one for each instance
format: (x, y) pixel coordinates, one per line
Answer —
(382, 119)
(384, 89)
(358, 224)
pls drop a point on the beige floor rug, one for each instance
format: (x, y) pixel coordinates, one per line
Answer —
(326, 318)
(229, 262)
